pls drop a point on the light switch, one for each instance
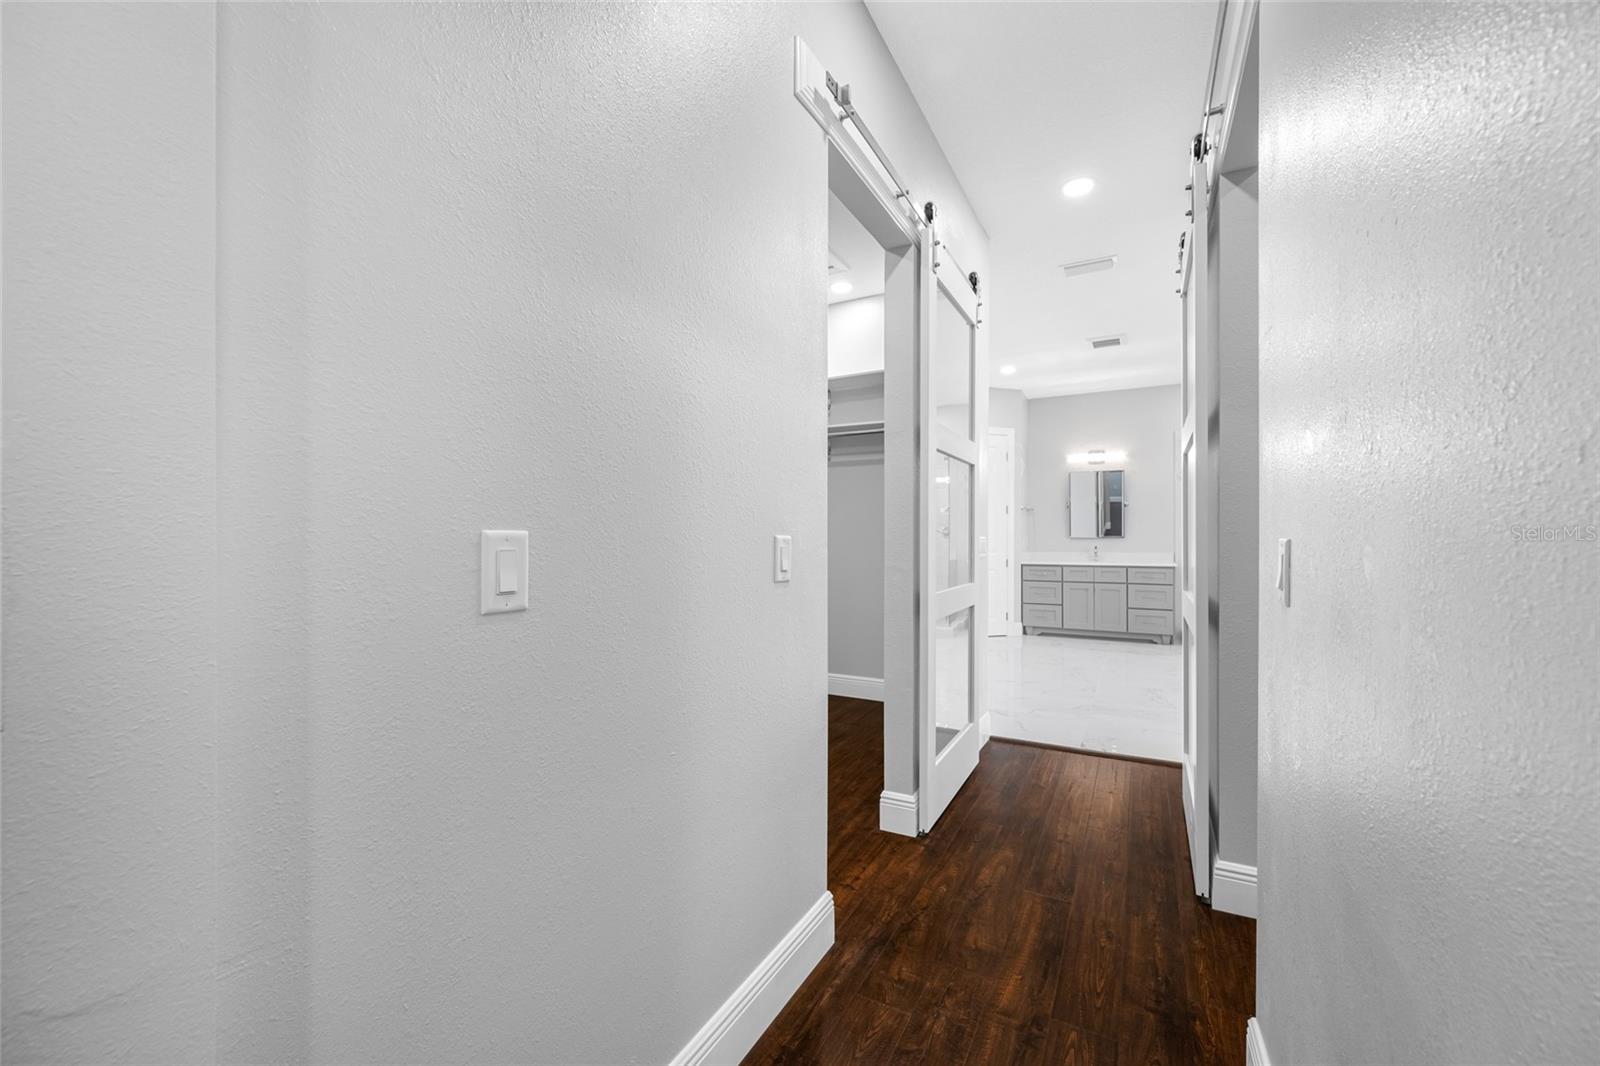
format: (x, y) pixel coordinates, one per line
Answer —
(782, 556)
(503, 571)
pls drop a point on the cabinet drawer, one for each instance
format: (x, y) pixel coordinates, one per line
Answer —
(1159, 622)
(1035, 615)
(1041, 592)
(1155, 597)
(1041, 573)
(1149, 575)
(1117, 574)
(1077, 573)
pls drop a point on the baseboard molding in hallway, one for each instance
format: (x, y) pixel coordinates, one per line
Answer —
(897, 813)
(1255, 1046)
(736, 1026)
(861, 688)
(1233, 887)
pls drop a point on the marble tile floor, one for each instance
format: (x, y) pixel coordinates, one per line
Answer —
(1118, 696)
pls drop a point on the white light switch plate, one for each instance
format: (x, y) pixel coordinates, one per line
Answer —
(503, 565)
(782, 556)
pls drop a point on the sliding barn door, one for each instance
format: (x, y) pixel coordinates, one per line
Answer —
(1197, 466)
(953, 577)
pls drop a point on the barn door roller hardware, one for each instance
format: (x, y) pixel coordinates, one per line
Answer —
(841, 96)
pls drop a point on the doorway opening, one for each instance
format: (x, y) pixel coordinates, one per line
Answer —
(926, 393)
(856, 547)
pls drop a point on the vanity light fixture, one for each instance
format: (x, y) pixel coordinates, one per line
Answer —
(1097, 457)
(841, 288)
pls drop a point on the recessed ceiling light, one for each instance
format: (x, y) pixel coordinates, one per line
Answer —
(840, 287)
(1078, 187)
(1008, 370)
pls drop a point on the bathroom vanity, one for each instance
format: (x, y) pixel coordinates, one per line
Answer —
(1125, 595)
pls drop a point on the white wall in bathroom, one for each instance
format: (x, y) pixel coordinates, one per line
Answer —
(1430, 317)
(1143, 423)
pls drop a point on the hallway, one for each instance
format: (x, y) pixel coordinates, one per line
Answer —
(1049, 918)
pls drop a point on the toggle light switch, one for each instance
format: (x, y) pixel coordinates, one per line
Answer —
(503, 571)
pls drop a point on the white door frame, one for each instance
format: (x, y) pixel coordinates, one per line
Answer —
(1198, 548)
(1003, 541)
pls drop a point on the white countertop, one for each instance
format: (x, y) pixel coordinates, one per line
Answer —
(1107, 558)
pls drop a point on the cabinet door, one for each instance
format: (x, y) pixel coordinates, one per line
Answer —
(1078, 605)
(1111, 608)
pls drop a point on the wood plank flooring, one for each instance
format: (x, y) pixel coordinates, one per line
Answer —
(1049, 918)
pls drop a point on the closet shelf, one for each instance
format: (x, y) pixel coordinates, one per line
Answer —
(854, 429)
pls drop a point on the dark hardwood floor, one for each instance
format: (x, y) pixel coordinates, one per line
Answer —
(1049, 918)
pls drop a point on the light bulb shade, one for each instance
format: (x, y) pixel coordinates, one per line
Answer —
(1096, 457)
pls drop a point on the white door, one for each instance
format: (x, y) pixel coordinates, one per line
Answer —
(1199, 538)
(1002, 487)
(951, 418)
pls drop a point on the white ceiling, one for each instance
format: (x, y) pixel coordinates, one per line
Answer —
(862, 254)
(1024, 96)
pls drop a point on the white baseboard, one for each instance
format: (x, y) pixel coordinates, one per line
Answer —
(861, 688)
(1233, 887)
(1255, 1045)
(736, 1026)
(897, 813)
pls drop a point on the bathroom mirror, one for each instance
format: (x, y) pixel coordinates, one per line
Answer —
(1096, 503)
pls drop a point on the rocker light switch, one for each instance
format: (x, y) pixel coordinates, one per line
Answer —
(782, 556)
(503, 571)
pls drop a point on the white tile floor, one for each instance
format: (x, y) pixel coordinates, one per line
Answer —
(1119, 696)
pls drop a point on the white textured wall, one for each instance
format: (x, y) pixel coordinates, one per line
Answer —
(1142, 422)
(110, 533)
(562, 835)
(475, 266)
(1430, 820)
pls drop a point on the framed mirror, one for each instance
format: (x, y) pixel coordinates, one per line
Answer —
(1097, 502)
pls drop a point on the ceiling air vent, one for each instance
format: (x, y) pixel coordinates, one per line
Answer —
(1088, 266)
(1115, 340)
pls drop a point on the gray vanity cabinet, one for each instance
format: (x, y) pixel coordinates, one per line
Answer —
(1100, 599)
(1110, 608)
(1078, 605)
